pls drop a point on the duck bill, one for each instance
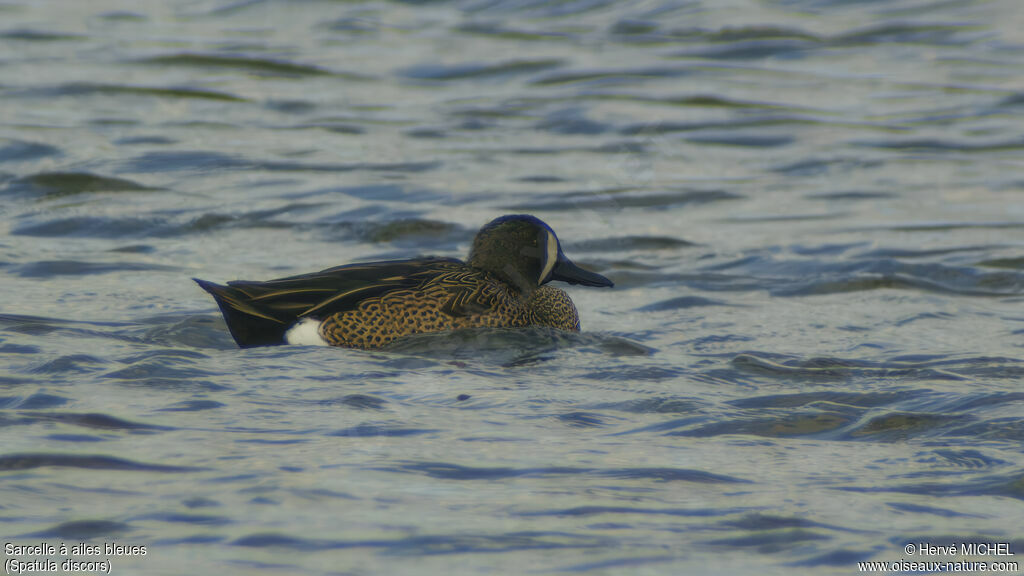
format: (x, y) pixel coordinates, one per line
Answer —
(566, 271)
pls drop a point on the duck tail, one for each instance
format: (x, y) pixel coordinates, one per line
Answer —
(249, 326)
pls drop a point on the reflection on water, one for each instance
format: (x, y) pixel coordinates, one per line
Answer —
(811, 355)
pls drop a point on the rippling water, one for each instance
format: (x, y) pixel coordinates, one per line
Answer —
(811, 210)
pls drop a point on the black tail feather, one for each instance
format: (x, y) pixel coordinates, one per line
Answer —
(246, 328)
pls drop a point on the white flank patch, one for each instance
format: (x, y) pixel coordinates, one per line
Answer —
(552, 257)
(305, 332)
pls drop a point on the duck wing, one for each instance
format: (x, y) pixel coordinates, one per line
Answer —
(259, 313)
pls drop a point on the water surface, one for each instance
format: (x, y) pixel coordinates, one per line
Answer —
(810, 208)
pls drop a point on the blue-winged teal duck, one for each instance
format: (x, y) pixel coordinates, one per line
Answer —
(370, 305)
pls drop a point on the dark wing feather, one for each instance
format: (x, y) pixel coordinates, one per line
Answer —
(469, 296)
(259, 313)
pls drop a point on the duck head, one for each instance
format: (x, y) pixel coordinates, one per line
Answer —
(524, 252)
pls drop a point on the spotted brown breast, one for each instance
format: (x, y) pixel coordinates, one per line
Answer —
(450, 301)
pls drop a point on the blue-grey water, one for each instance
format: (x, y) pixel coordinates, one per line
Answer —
(812, 211)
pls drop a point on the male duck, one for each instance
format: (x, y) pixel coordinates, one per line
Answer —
(370, 305)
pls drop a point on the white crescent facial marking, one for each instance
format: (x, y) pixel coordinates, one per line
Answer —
(550, 258)
(305, 332)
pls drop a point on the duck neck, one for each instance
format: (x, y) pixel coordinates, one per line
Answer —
(516, 282)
